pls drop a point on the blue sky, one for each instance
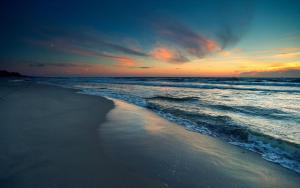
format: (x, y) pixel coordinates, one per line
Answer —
(151, 38)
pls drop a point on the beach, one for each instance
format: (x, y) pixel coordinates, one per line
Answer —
(57, 137)
(49, 139)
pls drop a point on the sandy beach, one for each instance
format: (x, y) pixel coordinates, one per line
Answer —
(147, 144)
(49, 139)
(56, 137)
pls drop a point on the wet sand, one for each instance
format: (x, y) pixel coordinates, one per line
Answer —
(48, 138)
(147, 144)
(54, 137)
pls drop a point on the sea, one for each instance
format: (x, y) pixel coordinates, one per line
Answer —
(257, 114)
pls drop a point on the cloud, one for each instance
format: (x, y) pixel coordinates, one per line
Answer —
(125, 60)
(162, 53)
(189, 40)
(87, 44)
(186, 43)
(233, 22)
(46, 64)
(291, 69)
(292, 73)
(37, 64)
(123, 49)
(65, 64)
(288, 55)
(228, 37)
(89, 38)
(143, 67)
(65, 46)
(29, 67)
(165, 54)
(230, 22)
(288, 49)
(277, 50)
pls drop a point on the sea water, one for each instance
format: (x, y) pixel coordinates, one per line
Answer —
(258, 114)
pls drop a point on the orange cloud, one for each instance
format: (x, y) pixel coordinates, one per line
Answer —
(189, 40)
(168, 55)
(212, 45)
(162, 53)
(229, 54)
(126, 61)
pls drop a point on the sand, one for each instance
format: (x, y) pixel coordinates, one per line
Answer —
(55, 137)
(48, 138)
(151, 146)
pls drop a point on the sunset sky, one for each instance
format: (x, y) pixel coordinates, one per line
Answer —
(151, 38)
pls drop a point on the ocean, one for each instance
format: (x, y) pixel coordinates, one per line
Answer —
(258, 114)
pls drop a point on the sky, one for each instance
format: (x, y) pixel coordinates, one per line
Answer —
(151, 38)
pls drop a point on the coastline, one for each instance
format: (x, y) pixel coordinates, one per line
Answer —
(50, 139)
(250, 121)
(152, 146)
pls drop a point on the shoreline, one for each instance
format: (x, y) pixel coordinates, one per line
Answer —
(164, 150)
(54, 137)
(270, 130)
(49, 139)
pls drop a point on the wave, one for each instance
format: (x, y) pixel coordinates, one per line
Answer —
(122, 96)
(212, 79)
(229, 82)
(223, 125)
(196, 86)
(170, 98)
(293, 82)
(174, 108)
(275, 150)
(285, 89)
(254, 111)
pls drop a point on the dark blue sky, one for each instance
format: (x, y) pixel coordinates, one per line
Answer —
(49, 37)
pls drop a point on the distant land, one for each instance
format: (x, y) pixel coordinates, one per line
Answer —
(4, 73)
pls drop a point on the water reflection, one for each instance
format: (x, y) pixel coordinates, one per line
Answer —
(151, 146)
